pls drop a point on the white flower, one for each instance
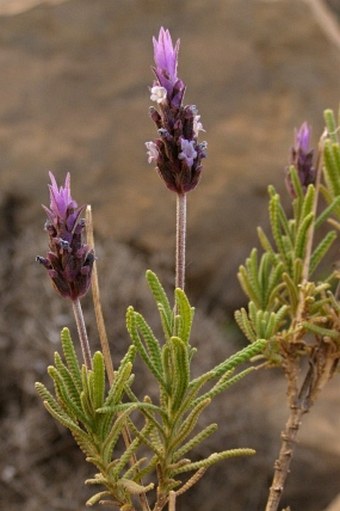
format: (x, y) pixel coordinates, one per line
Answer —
(197, 125)
(188, 152)
(152, 151)
(158, 94)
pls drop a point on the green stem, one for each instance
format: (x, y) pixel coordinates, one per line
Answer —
(181, 227)
(84, 341)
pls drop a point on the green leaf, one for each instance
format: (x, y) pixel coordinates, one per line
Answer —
(114, 434)
(71, 357)
(188, 424)
(70, 387)
(308, 201)
(223, 383)
(321, 250)
(98, 389)
(265, 243)
(115, 393)
(136, 339)
(153, 347)
(69, 404)
(212, 459)
(332, 168)
(159, 295)
(196, 440)
(186, 313)
(330, 124)
(302, 236)
(181, 374)
(240, 357)
(97, 498)
(334, 204)
(245, 325)
(319, 330)
(297, 187)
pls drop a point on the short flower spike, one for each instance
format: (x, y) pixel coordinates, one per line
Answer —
(69, 260)
(302, 158)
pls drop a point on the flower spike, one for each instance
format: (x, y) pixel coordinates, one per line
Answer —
(302, 158)
(177, 152)
(69, 260)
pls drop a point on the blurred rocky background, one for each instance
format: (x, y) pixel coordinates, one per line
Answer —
(74, 79)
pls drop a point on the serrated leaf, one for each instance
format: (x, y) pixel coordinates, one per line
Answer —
(98, 382)
(223, 383)
(186, 313)
(321, 250)
(196, 440)
(71, 357)
(181, 371)
(214, 458)
(137, 341)
(302, 236)
(159, 294)
(69, 404)
(114, 434)
(240, 357)
(115, 393)
(243, 322)
(151, 342)
(265, 243)
(188, 424)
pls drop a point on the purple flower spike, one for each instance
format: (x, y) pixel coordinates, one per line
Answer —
(69, 260)
(302, 158)
(177, 152)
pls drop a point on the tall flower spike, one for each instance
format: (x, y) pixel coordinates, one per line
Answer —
(177, 152)
(302, 158)
(69, 260)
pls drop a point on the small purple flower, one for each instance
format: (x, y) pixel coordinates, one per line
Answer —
(302, 158)
(69, 260)
(152, 151)
(188, 152)
(177, 152)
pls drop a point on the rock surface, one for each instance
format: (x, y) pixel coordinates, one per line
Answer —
(74, 96)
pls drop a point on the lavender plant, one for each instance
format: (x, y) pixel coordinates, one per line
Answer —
(98, 405)
(292, 305)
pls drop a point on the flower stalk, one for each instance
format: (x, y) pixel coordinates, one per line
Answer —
(82, 333)
(181, 226)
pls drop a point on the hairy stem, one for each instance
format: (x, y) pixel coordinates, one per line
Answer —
(181, 227)
(84, 341)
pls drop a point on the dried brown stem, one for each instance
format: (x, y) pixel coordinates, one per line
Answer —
(300, 399)
(97, 302)
(104, 339)
(298, 408)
